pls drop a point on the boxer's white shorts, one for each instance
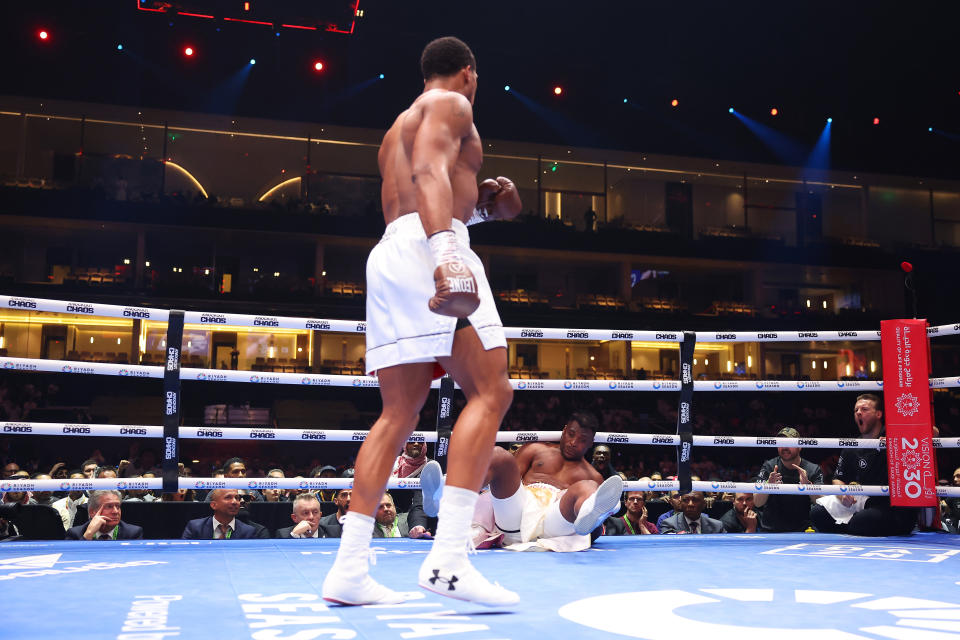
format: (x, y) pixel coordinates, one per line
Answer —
(401, 329)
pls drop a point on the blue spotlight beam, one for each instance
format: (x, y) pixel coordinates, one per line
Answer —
(784, 147)
(819, 157)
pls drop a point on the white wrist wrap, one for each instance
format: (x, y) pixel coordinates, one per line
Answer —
(479, 215)
(444, 247)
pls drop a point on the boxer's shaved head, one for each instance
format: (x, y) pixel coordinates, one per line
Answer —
(445, 57)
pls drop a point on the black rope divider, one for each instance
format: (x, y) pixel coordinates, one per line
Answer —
(444, 421)
(172, 402)
(685, 412)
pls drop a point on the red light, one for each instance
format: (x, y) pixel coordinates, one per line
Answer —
(557, 91)
(43, 35)
(188, 51)
(674, 102)
(774, 111)
(318, 66)
(876, 121)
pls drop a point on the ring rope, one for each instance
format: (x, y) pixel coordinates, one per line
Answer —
(331, 380)
(354, 326)
(659, 486)
(346, 435)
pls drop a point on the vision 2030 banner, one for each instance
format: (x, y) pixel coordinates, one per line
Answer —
(908, 414)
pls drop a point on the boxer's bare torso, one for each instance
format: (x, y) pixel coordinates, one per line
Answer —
(435, 117)
(546, 463)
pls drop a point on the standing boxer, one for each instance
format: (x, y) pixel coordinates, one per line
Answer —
(429, 302)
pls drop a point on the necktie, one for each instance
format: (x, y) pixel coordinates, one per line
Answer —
(694, 526)
(103, 536)
(223, 531)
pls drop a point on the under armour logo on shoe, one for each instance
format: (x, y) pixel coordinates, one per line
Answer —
(436, 578)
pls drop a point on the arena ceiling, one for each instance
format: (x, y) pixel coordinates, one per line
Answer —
(885, 72)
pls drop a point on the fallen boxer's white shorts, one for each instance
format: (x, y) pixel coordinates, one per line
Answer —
(401, 329)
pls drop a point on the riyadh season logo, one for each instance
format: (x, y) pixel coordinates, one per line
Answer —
(715, 485)
(303, 484)
(908, 405)
(800, 385)
(656, 386)
(121, 486)
(254, 378)
(613, 385)
(201, 376)
(64, 486)
(123, 372)
(717, 385)
(8, 365)
(566, 385)
(252, 484)
(66, 368)
(759, 385)
(521, 385)
(201, 484)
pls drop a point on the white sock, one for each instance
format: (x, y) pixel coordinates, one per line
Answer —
(352, 556)
(554, 524)
(453, 524)
(508, 512)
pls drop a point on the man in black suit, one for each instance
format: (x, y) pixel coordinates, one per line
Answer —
(105, 522)
(690, 519)
(223, 524)
(331, 523)
(306, 518)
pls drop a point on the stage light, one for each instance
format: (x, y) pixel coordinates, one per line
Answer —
(43, 35)
(774, 111)
(506, 87)
(557, 91)
(930, 129)
(730, 110)
(253, 61)
(876, 121)
(829, 120)
(674, 102)
(382, 76)
(624, 101)
(318, 66)
(188, 51)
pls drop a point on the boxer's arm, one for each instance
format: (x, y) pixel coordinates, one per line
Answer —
(446, 121)
(525, 456)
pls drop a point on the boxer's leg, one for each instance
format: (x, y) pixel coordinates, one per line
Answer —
(482, 375)
(587, 504)
(403, 389)
(508, 496)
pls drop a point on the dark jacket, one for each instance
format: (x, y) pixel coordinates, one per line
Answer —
(202, 529)
(126, 532)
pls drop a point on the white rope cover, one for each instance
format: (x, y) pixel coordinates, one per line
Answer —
(318, 380)
(314, 484)
(358, 326)
(345, 435)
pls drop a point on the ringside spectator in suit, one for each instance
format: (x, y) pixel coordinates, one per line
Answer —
(223, 524)
(331, 523)
(105, 523)
(421, 525)
(306, 518)
(634, 521)
(742, 518)
(691, 518)
(389, 523)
